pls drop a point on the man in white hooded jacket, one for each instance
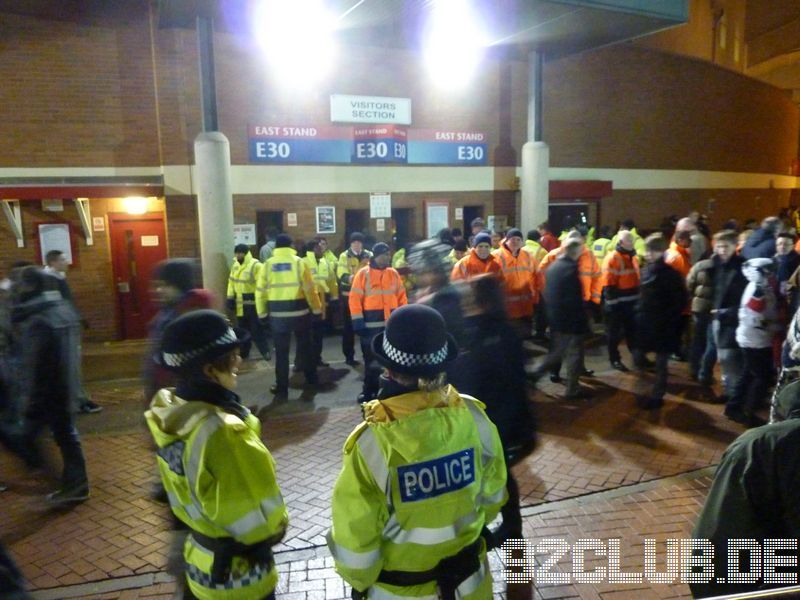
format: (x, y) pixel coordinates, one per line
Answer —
(758, 324)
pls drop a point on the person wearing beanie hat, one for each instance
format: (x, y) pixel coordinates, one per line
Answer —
(219, 477)
(451, 474)
(175, 290)
(376, 291)
(49, 328)
(350, 262)
(478, 261)
(288, 301)
(519, 281)
(241, 297)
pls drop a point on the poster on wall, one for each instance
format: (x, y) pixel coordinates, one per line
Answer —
(380, 206)
(55, 236)
(244, 233)
(436, 217)
(326, 219)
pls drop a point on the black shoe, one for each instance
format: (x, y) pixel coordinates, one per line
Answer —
(739, 416)
(619, 366)
(3, 487)
(650, 403)
(587, 372)
(90, 407)
(322, 363)
(68, 495)
(678, 357)
(362, 398)
(556, 379)
(352, 362)
(580, 395)
(278, 391)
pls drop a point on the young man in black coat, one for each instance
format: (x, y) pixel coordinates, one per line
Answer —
(50, 379)
(566, 315)
(658, 315)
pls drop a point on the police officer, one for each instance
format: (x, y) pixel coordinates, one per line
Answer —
(422, 475)
(350, 262)
(242, 296)
(285, 294)
(219, 476)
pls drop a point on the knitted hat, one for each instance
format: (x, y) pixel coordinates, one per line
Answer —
(380, 248)
(283, 240)
(180, 272)
(514, 232)
(482, 238)
(430, 255)
(356, 236)
(198, 337)
(415, 342)
(243, 248)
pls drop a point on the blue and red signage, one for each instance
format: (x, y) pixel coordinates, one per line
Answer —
(365, 144)
(288, 144)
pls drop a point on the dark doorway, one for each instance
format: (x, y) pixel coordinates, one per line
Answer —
(470, 213)
(564, 216)
(268, 220)
(355, 219)
(402, 225)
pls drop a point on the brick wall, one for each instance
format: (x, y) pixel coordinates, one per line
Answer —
(637, 108)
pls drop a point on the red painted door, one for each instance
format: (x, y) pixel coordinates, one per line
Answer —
(138, 243)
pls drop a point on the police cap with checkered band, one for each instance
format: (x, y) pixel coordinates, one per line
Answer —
(199, 337)
(415, 342)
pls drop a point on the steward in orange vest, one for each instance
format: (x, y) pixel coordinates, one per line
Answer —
(519, 276)
(376, 291)
(479, 260)
(620, 293)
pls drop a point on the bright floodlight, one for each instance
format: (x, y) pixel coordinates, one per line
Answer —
(454, 43)
(297, 38)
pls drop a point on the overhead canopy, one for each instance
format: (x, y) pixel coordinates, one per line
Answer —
(36, 188)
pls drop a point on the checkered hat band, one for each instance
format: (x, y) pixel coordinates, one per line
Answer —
(407, 359)
(178, 359)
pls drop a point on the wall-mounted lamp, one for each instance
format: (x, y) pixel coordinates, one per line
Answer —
(135, 205)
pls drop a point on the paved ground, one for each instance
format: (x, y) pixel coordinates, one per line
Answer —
(603, 469)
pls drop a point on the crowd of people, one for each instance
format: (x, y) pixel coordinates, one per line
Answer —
(429, 467)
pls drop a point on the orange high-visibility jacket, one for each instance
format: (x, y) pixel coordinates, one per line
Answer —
(588, 272)
(472, 266)
(679, 258)
(620, 279)
(519, 281)
(374, 294)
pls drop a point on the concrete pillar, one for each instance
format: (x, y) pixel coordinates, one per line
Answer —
(534, 184)
(214, 208)
(534, 179)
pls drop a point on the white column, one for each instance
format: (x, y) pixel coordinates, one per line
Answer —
(214, 208)
(534, 179)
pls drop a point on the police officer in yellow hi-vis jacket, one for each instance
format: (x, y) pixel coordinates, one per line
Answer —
(218, 475)
(285, 294)
(422, 475)
(241, 296)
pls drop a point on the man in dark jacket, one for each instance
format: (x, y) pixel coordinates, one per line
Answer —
(658, 316)
(566, 314)
(50, 366)
(754, 497)
(762, 243)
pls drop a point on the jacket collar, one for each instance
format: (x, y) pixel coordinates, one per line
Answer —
(37, 304)
(285, 252)
(204, 390)
(395, 402)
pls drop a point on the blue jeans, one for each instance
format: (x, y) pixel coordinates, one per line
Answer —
(703, 354)
(730, 363)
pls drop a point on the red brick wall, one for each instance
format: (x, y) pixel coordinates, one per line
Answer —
(637, 108)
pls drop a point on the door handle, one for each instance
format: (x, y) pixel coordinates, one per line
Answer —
(123, 287)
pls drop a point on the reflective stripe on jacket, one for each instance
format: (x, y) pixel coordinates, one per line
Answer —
(374, 295)
(519, 281)
(601, 247)
(349, 265)
(220, 481)
(471, 266)
(620, 279)
(588, 271)
(285, 288)
(419, 481)
(242, 282)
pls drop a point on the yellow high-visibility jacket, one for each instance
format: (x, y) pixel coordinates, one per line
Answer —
(242, 283)
(420, 479)
(220, 480)
(285, 289)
